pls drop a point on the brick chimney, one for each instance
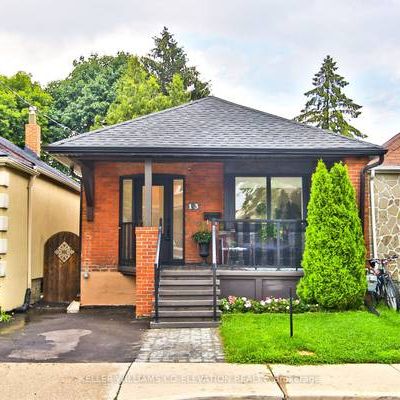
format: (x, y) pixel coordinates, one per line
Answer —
(32, 133)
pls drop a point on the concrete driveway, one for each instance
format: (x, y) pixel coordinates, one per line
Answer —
(92, 335)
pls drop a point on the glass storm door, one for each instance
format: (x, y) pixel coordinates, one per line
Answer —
(167, 204)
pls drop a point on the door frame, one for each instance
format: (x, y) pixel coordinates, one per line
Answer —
(162, 179)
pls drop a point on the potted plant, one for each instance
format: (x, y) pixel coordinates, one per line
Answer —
(203, 238)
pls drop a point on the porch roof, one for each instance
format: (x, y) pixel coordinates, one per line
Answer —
(212, 126)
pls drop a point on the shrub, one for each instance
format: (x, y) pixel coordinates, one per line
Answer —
(234, 304)
(334, 254)
(4, 317)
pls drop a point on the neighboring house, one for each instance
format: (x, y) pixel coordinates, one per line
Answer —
(36, 202)
(385, 205)
(206, 159)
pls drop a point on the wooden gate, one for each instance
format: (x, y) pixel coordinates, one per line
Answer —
(61, 277)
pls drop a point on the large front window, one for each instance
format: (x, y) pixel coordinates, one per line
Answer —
(267, 227)
(286, 198)
(268, 197)
(251, 198)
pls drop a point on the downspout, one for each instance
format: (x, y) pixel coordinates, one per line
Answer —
(373, 215)
(30, 218)
(362, 187)
(27, 298)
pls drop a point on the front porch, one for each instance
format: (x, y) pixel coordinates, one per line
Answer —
(258, 209)
(260, 216)
(259, 219)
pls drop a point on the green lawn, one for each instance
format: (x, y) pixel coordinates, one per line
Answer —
(345, 337)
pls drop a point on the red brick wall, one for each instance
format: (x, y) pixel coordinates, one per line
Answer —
(203, 184)
(355, 165)
(146, 238)
(392, 157)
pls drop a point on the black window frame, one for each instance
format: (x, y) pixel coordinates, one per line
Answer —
(137, 183)
(129, 269)
(230, 191)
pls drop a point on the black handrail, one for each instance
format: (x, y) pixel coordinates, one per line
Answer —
(257, 221)
(214, 267)
(265, 242)
(127, 247)
(157, 270)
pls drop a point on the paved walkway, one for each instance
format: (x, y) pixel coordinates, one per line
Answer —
(184, 381)
(181, 345)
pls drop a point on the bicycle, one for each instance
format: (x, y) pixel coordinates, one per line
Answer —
(381, 285)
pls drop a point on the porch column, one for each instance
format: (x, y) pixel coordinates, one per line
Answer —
(147, 192)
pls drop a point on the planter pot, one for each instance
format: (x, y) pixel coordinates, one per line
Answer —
(204, 251)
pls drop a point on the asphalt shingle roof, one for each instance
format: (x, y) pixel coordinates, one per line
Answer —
(30, 159)
(211, 123)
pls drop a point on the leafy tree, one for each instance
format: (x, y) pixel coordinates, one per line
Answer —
(333, 259)
(350, 245)
(327, 106)
(177, 94)
(167, 59)
(138, 93)
(14, 110)
(87, 92)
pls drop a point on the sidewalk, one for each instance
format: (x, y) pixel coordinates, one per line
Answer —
(173, 381)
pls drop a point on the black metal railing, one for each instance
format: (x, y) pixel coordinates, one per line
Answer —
(214, 267)
(261, 243)
(127, 247)
(157, 272)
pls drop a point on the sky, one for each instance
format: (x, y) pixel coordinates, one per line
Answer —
(262, 54)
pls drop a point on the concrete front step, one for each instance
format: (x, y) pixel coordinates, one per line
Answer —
(186, 298)
(188, 313)
(185, 303)
(183, 324)
(185, 273)
(186, 292)
(187, 282)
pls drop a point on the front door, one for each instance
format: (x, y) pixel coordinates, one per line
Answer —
(167, 204)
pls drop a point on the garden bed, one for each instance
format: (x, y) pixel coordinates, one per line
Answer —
(319, 337)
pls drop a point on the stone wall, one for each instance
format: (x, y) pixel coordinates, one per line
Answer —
(387, 216)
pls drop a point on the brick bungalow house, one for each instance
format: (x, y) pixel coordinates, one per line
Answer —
(208, 159)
